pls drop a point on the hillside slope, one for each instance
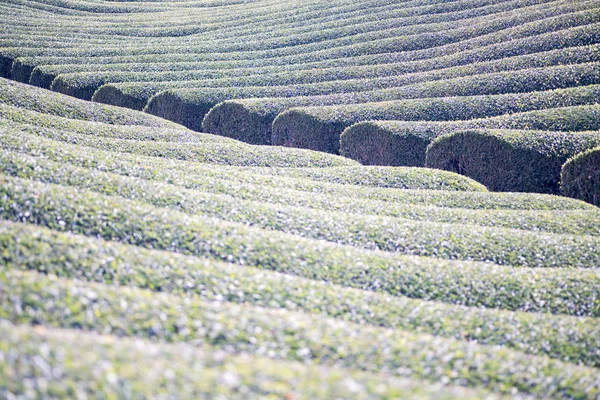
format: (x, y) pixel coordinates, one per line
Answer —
(143, 258)
(350, 62)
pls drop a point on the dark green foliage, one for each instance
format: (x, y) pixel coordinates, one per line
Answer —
(405, 142)
(319, 128)
(389, 143)
(30, 98)
(510, 160)
(580, 176)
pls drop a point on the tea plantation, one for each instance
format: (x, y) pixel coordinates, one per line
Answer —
(238, 199)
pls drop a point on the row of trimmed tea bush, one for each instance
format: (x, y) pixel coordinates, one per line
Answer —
(189, 106)
(380, 21)
(137, 94)
(30, 297)
(44, 68)
(250, 120)
(33, 99)
(580, 176)
(405, 142)
(85, 89)
(218, 22)
(82, 258)
(277, 77)
(510, 160)
(153, 369)
(15, 116)
(344, 228)
(24, 67)
(230, 205)
(319, 128)
(429, 284)
(578, 19)
(403, 178)
(525, 12)
(142, 224)
(272, 188)
(95, 7)
(340, 42)
(210, 152)
(83, 85)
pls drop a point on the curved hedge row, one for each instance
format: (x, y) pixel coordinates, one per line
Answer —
(319, 128)
(510, 160)
(136, 94)
(243, 184)
(152, 369)
(33, 99)
(352, 34)
(381, 177)
(580, 176)
(23, 67)
(93, 7)
(83, 84)
(196, 235)
(79, 257)
(251, 120)
(189, 106)
(294, 336)
(174, 25)
(303, 221)
(16, 116)
(270, 212)
(405, 142)
(210, 152)
(400, 178)
(339, 18)
(300, 251)
(349, 228)
(533, 28)
(41, 71)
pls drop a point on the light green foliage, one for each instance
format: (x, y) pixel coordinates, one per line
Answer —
(141, 258)
(307, 220)
(184, 99)
(32, 99)
(150, 369)
(242, 183)
(78, 257)
(298, 336)
(404, 38)
(465, 282)
(510, 247)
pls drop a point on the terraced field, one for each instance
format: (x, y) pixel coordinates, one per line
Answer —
(318, 199)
